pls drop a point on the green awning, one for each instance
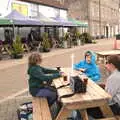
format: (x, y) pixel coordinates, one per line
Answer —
(4, 22)
(78, 23)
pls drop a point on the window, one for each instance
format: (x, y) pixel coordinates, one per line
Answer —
(34, 10)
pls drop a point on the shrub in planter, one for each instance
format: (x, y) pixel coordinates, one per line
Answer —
(82, 39)
(102, 36)
(17, 49)
(77, 37)
(87, 37)
(65, 40)
(66, 36)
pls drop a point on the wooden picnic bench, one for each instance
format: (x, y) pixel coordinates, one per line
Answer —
(102, 56)
(5, 49)
(95, 96)
(111, 118)
(41, 109)
(25, 47)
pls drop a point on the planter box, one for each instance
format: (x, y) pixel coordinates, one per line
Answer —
(65, 44)
(78, 42)
(17, 56)
(46, 49)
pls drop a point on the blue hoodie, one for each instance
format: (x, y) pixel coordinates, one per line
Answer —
(92, 70)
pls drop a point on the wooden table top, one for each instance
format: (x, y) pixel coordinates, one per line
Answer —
(94, 92)
(110, 52)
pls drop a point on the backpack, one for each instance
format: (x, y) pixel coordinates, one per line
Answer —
(24, 111)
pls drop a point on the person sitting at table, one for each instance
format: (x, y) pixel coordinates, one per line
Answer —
(40, 79)
(89, 67)
(113, 82)
(112, 86)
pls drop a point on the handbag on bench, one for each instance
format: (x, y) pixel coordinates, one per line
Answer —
(24, 111)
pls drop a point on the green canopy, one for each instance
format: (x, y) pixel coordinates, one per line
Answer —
(78, 23)
(4, 22)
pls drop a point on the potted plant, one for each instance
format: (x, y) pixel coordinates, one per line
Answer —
(87, 37)
(17, 49)
(46, 43)
(65, 38)
(82, 39)
(77, 36)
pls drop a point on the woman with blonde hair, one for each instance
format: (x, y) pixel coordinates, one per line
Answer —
(40, 79)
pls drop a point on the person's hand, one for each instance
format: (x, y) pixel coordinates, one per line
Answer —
(62, 74)
(102, 85)
(82, 70)
(76, 73)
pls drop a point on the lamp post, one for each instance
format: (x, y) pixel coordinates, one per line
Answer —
(13, 27)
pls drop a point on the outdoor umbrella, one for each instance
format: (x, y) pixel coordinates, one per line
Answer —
(48, 21)
(65, 22)
(20, 20)
(78, 23)
(5, 21)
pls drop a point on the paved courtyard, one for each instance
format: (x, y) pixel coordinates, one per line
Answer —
(14, 77)
(14, 72)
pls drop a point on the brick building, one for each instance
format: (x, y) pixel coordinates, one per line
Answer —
(102, 15)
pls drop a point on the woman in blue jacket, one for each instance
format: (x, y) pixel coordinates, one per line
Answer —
(88, 66)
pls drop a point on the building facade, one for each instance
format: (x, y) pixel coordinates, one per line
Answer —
(102, 15)
(32, 8)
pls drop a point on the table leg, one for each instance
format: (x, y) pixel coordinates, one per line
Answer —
(102, 59)
(106, 110)
(97, 58)
(84, 114)
(105, 60)
(63, 114)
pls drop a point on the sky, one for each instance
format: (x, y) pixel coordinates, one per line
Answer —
(5, 6)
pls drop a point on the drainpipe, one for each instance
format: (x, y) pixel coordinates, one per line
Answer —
(100, 27)
(89, 16)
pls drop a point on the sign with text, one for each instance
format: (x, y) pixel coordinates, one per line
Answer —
(23, 9)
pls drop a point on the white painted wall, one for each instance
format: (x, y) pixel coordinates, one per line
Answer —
(52, 12)
(112, 32)
(63, 14)
(49, 11)
(116, 29)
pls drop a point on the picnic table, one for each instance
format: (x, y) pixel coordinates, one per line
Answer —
(102, 56)
(95, 96)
